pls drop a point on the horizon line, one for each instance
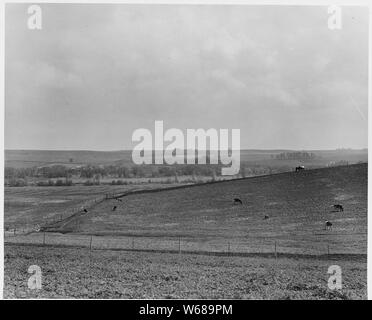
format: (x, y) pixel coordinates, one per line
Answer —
(241, 149)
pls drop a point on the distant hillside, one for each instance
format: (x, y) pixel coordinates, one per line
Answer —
(31, 158)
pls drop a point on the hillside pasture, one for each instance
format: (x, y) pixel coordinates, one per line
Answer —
(296, 204)
(29, 206)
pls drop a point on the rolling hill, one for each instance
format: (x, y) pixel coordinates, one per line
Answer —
(297, 205)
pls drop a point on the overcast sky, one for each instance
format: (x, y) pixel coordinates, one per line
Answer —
(95, 73)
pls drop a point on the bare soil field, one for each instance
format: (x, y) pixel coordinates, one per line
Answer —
(79, 273)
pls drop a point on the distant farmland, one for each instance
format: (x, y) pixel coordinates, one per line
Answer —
(30, 158)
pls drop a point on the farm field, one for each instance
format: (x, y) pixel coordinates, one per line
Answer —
(28, 206)
(78, 273)
(167, 239)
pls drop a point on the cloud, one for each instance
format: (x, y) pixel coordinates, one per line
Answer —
(106, 70)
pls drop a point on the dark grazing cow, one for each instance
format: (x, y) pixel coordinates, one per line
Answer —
(338, 207)
(85, 210)
(328, 225)
(114, 208)
(266, 217)
(237, 201)
(300, 168)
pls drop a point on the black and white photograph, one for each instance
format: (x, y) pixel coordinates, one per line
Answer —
(185, 151)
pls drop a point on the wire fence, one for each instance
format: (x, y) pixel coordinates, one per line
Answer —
(182, 245)
(308, 245)
(57, 217)
(54, 218)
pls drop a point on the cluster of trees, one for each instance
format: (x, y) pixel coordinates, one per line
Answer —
(59, 175)
(19, 173)
(20, 182)
(296, 156)
(16, 182)
(95, 172)
(57, 183)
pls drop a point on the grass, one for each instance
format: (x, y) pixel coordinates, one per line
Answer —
(28, 206)
(297, 204)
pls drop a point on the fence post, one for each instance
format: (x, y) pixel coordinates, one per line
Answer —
(90, 244)
(179, 245)
(328, 250)
(44, 238)
(276, 254)
(132, 243)
(228, 249)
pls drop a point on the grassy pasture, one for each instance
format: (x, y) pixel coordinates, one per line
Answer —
(28, 206)
(297, 205)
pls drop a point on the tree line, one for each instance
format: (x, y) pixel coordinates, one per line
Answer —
(60, 175)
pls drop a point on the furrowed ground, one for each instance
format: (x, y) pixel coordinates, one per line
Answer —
(78, 273)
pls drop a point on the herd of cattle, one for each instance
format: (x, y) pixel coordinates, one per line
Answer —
(328, 224)
(237, 201)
